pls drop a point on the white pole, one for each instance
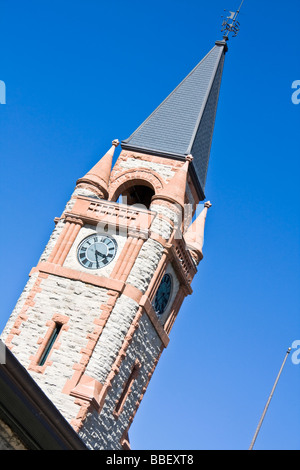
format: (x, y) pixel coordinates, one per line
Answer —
(269, 400)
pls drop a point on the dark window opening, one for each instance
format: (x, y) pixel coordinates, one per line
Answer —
(138, 195)
(50, 344)
(127, 389)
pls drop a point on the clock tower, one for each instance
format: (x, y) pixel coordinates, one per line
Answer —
(98, 309)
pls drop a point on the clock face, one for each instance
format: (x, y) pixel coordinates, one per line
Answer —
(96, 251)
(163, 294)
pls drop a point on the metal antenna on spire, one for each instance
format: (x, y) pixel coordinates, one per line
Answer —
(230, 23)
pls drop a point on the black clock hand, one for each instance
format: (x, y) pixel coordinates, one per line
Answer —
(96, 256)
(160, 296)
(97, 253)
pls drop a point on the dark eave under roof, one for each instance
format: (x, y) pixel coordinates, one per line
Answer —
(30, 414)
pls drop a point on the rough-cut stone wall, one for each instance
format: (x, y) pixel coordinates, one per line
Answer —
(164, 226)
(111, 339)
(19, 306)
(57, 296)
(163, 167)
(107, 429)
(9, 439)
(145, 265)
(166, 171)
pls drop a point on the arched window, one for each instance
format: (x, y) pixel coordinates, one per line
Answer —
(138, 194)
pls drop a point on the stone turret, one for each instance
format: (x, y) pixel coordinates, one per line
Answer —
(97, 179)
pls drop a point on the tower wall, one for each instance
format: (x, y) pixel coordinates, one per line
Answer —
(96, 313)
(110, 428)
(51, 298)
(157, 170)
(110, 333)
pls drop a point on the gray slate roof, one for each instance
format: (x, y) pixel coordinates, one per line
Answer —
(183, 124)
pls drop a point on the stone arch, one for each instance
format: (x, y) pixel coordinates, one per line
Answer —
(129, 178)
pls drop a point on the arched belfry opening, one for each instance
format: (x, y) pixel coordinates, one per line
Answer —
(135, 192)
(138, 194)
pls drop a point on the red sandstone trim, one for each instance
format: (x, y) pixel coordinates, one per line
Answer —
(61, 271)
(57, 245)
(120, 216)
(127, 387)
(128, 178)
(133, 292)
(147, 306)
(71, 386)
(65, 241)
(120, 260)
(92, 188)
(84, 408)
(124, 438)
(78, 422)
(175, 310)
(130, 259)
(124, 441)
(61, 319)
(88, 390)
(160, 270)
(29, 302)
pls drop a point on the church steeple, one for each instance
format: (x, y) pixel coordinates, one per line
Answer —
(97, 311)
(183, 124)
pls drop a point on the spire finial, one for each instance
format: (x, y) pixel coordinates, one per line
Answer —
(115, 142)
(230, 23)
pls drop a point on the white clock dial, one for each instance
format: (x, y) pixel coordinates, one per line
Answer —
(97, 251)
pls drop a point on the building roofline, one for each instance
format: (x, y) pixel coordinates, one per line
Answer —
(183, 123)
(173, 156)
(29, 413)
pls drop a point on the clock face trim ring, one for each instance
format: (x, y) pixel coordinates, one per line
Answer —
(96, 251)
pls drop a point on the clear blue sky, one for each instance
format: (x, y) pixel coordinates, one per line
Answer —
(82, 73)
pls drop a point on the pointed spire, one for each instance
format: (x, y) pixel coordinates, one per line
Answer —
(174, 190)
(184, 122)
(98, 177)
(194, 236)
